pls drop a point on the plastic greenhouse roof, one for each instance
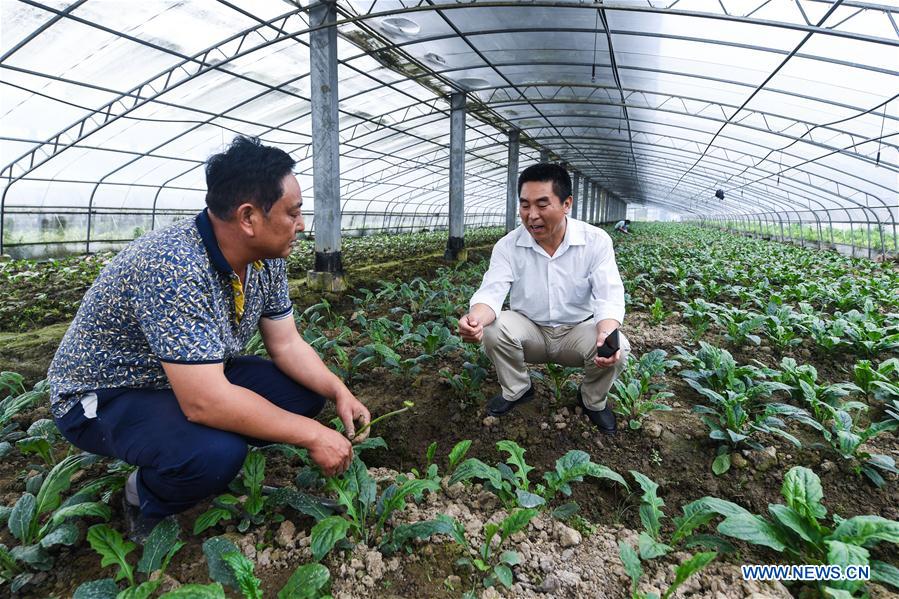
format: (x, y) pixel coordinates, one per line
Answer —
(789, 106)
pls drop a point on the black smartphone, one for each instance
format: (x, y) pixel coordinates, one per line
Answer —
(608, 349)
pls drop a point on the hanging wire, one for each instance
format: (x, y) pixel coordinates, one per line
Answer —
(880, 139)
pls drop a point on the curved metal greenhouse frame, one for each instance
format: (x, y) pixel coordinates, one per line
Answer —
(774, 117)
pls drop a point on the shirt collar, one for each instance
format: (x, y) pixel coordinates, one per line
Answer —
(207, 234)
(574, 235)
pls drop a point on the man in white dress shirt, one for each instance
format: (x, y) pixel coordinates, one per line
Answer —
(566, 298)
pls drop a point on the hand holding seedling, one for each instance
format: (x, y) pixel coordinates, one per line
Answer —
(331, 451)
(365, 429)
(352, 411)
(471, 325)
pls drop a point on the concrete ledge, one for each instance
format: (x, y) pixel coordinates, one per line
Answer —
(326, 281)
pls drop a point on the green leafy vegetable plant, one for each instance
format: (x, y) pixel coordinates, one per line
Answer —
(248, 511)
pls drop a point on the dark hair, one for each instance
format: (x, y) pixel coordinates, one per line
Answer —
(546, 172)
(246, 172)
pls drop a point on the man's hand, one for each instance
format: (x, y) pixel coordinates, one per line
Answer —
(352, 412)
(331, 451)
(603, 331)
(471, 329)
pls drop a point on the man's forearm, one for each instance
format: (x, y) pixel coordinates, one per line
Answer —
(239, 410)
(302, 364)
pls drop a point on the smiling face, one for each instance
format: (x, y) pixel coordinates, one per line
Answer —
(543, 212)
(284, 221)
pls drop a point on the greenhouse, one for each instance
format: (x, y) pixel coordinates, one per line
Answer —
(605, 294)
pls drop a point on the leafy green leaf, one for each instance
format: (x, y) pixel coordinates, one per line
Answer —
(249, 585)
(516, 521)
(512, 558)
(516, 458)
(159, 542)
(22, 517)
(219, 571)
(845, 554)
(866, 530)
(752, 529)
(710, 542)
(696, 514)
(526, 499)
(144, 590)
(650, 548)
(301, 502)
(631, 564)
(95, 509)
(566, 511)
(58, 480)
(65, 534)
(97, 589)
(721, 464)
(253, 475)
(306, 582)
(196, 591)
(458, 452)
(687, 569)
(210, 518)
(650, 508)
(503, 574)
(113, 550)
(885, 573)
(417, 530)
(370, 443)
(325, 535)
(475, 468)
(787, 517)
(803, 492)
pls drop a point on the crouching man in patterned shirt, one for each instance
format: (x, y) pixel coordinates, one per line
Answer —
(150, 370)
(566, 298)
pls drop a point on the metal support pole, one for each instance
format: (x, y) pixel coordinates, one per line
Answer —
(575, 184)
(512, 180)
(328, 270)
(544, 155)
(585, 200)
(594, 203)
(455, 245)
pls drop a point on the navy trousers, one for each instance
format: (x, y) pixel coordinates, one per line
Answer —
(180, 462)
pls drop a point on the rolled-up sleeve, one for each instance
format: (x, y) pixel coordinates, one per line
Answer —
(607, 290)
(497, 280)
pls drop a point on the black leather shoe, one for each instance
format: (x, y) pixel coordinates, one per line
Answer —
(603, 419)
(499, 405)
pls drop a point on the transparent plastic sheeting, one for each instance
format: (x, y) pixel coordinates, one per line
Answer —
(788, 106)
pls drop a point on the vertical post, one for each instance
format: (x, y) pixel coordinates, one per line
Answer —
(603, 204)
(594, 203)
(585, 200)
(455, 245)
(512, 180)
(544, 155)
(575, 184)
(327, 272)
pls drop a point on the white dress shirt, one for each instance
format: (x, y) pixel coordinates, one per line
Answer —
(579, 281)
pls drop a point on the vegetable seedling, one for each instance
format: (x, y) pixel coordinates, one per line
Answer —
(405, 408)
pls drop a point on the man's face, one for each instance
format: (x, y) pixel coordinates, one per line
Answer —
(284, 221)
(542, 211)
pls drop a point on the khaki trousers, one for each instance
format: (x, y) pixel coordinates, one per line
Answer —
(512, 340)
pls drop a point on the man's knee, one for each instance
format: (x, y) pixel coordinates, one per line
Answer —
(212, 464)
(501, 330)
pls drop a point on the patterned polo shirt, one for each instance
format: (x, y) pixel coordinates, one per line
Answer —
(169, 296)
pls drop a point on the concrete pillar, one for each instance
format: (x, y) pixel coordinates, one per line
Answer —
(455, 245)
(327, 272)
(512, 181)
(575, 185)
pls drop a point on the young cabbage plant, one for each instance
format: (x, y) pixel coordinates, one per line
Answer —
(229, 567)
(160, 547)
(698, 314)
(468, 383)
(40, 438)
(798, 530)
(44, 521)
(247, 507)
(657, 312)
(636, 393)
(850, 440)
(367, 514)
(881, 383)
(558, 379)
(15, 403)
(494, 568)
